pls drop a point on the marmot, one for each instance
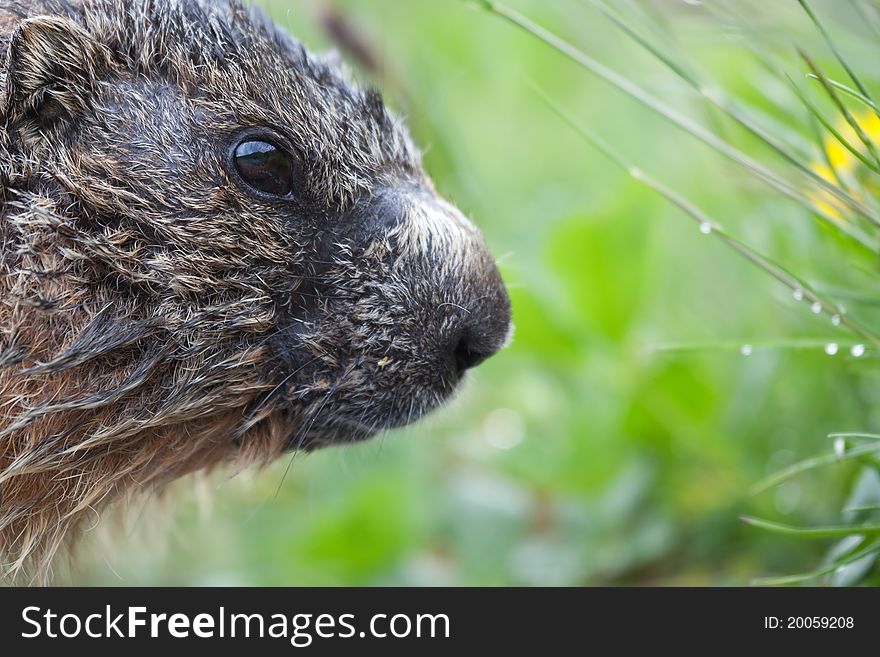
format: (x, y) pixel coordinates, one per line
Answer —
(214, 248)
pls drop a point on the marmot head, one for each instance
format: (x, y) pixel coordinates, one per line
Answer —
(215, 247)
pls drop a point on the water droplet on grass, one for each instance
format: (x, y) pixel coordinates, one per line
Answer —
(839, 447)
(705, 228)
(816, 307)
(798, 294)
(835, 319)
(857, 350)
(831, 348)
(746, 350)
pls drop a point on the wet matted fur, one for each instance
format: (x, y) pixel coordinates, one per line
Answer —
(158, 316)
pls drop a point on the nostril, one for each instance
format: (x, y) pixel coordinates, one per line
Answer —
(467, 354)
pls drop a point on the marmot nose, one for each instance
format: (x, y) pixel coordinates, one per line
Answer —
(468, 353)
(483, 332)
(471, 308)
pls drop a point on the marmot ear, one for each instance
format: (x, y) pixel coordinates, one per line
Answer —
(52, 68)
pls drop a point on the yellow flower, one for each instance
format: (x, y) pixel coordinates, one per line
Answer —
(841, 167)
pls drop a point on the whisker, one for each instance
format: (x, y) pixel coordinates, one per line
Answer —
(256, 414)
(311, 417)
(454, 305)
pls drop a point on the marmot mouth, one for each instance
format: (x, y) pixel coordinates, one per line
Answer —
(342, 433)
(332, 427)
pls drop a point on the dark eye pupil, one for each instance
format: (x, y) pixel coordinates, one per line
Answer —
(264, 167)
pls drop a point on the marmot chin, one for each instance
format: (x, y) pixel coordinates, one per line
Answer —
(214, 248)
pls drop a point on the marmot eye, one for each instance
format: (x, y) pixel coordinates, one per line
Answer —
(264, 167)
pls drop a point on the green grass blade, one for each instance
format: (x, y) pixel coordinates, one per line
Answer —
(869, 15)
(855, 297)
(855, 434)
(634, 91)
(670, 63)
(814, 112)
(831, 531)
(774, 269)
(863, 507)
(827, 570)
(699, 132)
(804, 344)
(815, 128)
(849, 91)
(812, 463)
(850, 119)
(833, 47)
(738, 115)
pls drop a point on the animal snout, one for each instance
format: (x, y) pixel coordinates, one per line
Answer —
(460, 307)
(475, 317)
(484, 330)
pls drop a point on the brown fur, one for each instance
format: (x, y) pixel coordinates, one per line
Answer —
(155, 317)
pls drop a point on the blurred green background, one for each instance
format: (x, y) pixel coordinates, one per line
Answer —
(586, 453)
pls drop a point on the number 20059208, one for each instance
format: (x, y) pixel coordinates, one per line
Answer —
(809, 622)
